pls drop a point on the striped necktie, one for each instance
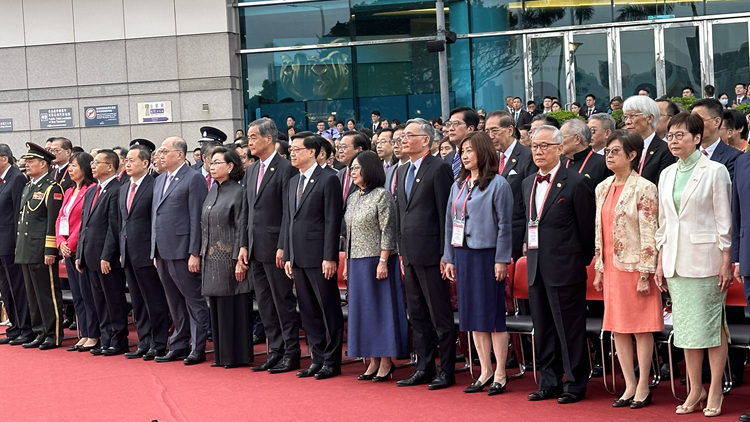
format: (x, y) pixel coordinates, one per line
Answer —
(456, 165)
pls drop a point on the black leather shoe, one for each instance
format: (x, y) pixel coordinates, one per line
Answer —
(83, 349)
(97, 351)
(567, 398)
(478, 386)
(114, 351)
(272, 360)
(33, 344)
(73, 348)
(48, 344)
(496, 388)
(173, 355)
(542, 395)
(73, 326)
(67, 322)
(309, 372)
(6, 340)
(745, 417)
(195, 357)
(21, 340)
(416, 378)
(328, 372)
(153, 353)
(622, 402)
(285, 365)
(138, 353)
(258, 339)
(641, 404)
(442, 380)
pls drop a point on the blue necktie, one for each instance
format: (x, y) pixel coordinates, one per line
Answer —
(410, 179)
(456, 165)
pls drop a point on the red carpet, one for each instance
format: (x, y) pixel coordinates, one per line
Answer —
(56, 385)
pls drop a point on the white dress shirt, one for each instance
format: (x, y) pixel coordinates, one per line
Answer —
(541, 189)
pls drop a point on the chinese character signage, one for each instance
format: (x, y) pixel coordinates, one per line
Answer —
(53, 118)
(6, 125)
(101, 115)
(156, 112)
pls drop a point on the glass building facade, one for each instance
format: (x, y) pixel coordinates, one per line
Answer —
(310, 59)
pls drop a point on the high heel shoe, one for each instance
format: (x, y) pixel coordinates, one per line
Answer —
(684, 409)
(90, 348)
(639, 404)
(367, 377)
(377, 378)
(623, 402)
(497, 388)
(478, 386)
(714, 411)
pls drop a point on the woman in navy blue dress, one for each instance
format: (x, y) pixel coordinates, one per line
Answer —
(477, 253)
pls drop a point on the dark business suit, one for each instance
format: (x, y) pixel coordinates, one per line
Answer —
(62, 177)
(658, 157)
(311, 231)
(585, 112)
(741, 218)
(421, 240)
(352, 186)
(175, 236)
(595, 168)
(12, 288)
(98, 240)
(330, 170)
(260, 228)
(338, 165)
(726, 155)
(524, 118)
(520, 165)
(557, 279)
(150, 307)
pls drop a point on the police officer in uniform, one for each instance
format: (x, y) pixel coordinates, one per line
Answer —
(36, 249)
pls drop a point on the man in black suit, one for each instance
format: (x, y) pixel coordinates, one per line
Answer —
(99, 253)
(311, 229)
(590, 108)
(641, 115)
(421, 199)
(261, 247)
(578, 155)
(515, 164)
(463, 120)
(520, 116)
(560, 243)
(150, 309)
(375, 118)
(12, 289)
(712, 113)
(350, 144)
(62, 148)
(531, 108)
(326, 152)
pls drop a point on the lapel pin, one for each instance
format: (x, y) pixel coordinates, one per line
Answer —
(559, 185)
(176, 178)
(417, 180)
(651, 153)
(513, 160)
(273, 169)
(312, 181)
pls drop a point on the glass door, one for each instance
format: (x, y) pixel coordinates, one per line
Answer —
(682, 59)
(637, 60)
(729, 57)
(591, 63)
(547, 67)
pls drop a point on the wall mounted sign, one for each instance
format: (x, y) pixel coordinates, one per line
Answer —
(101, 115)
(6, 125)
(156, 112)
(53, 118)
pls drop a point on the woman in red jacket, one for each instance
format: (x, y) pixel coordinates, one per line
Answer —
(67, 227)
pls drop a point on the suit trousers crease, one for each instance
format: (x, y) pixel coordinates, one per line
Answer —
(150, 309)
(322, 318)
(45, 300)
(83, 301)
(277, 307)
(14, 297)
(188, 307)
(559, 318)
(431, 314)
(111, 306)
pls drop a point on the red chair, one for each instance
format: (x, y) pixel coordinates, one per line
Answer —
(521, 324)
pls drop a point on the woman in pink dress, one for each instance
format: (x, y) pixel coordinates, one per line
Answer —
(626, 221)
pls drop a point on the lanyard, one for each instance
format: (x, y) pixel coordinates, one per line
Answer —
(463, 208)
(584, 162)
(531, 197)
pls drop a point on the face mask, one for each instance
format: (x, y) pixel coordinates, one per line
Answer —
(724, 101)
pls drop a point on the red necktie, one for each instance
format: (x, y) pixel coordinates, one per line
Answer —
(96, 195)
(705, 152)
(347, 181)
(131, 195)
(261, 172)
(501, 167)
(209, 181)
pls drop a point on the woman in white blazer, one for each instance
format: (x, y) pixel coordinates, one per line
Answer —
(694, 241)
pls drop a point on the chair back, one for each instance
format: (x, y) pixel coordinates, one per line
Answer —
(736, 294)
(62, 270)
(340, 271)
(592, 294)
(520, 279)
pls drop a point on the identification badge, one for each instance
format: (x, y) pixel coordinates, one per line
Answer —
(38, 195)
(458, 233)
(532, 241)
(64, 229)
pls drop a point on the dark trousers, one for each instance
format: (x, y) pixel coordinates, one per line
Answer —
(83, 301)
(277, 307)
(150, 308)
(108, 291)
(559, 317)
(45, 300)
(188, 307)
(430, 311)
(14, 298)
(322, 319)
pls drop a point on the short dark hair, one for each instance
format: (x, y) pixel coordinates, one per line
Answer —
(740, 123)
(327, 148)
(302, 134)
(576, 103)
(197, 149)
(387, 130)
(672, 108)
(111, 156)
(291, 117)
(471, 118)
(375, 112)
(713, 106)
(358, 139)
(64, 142)
(616, 98)
(709, 90)
(320, 121)
(282, 148)
(5, 151)
(547, 120)
(592, 96)
(371, 169)
(231, 156)
(123, 152)
(631, 142)
(144, 153)
(648, 91)
(292, 128)
(84, 159)
(547, 97)
(530, 102)
(354, 122)
(693, 124)
(487, 160)
(396, 122)
(690, 88)
(78, 149)
(740, 83)
(313, 142)
(519, 99)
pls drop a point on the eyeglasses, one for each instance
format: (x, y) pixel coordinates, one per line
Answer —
(343, 147)
(626, 117)
(409, 136)
(450, 123)
(355, 168)
(216, 163)
(613, 151)
(495, 130)
(54, 150)
(296, 151)
(383, 142)
(541, 146)
(96, 163)
(677, 136)
(593, 130)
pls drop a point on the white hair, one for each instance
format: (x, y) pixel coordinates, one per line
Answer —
(642, 104)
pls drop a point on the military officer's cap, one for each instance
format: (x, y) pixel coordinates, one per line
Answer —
(212, 135)
(143, 142)
(35, 151)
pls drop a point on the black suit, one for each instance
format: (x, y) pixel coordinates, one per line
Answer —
(98, 241)
(585, 112)
(338, 165)
(658, 157)
(12, 288)
(726, 155)
(449, 158)
(520, 165)
(524, 118)
(260, 228)
(352, 187)
(593, 167)
(421, 240)
(62, 177)
(150, 307)
(330, 170)
(557, 279)
(311, 231)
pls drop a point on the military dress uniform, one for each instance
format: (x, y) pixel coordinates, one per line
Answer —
(40, 205)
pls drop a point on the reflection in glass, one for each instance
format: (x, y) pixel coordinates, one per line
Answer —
(592, 68)
(492, 15)
(378, 19)
(717, 7)
(294, 24)
(682, 60)
(638, 57)
(553, 13)
(628, 10)
(497, 70)
(548, 68)
(730, 57)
